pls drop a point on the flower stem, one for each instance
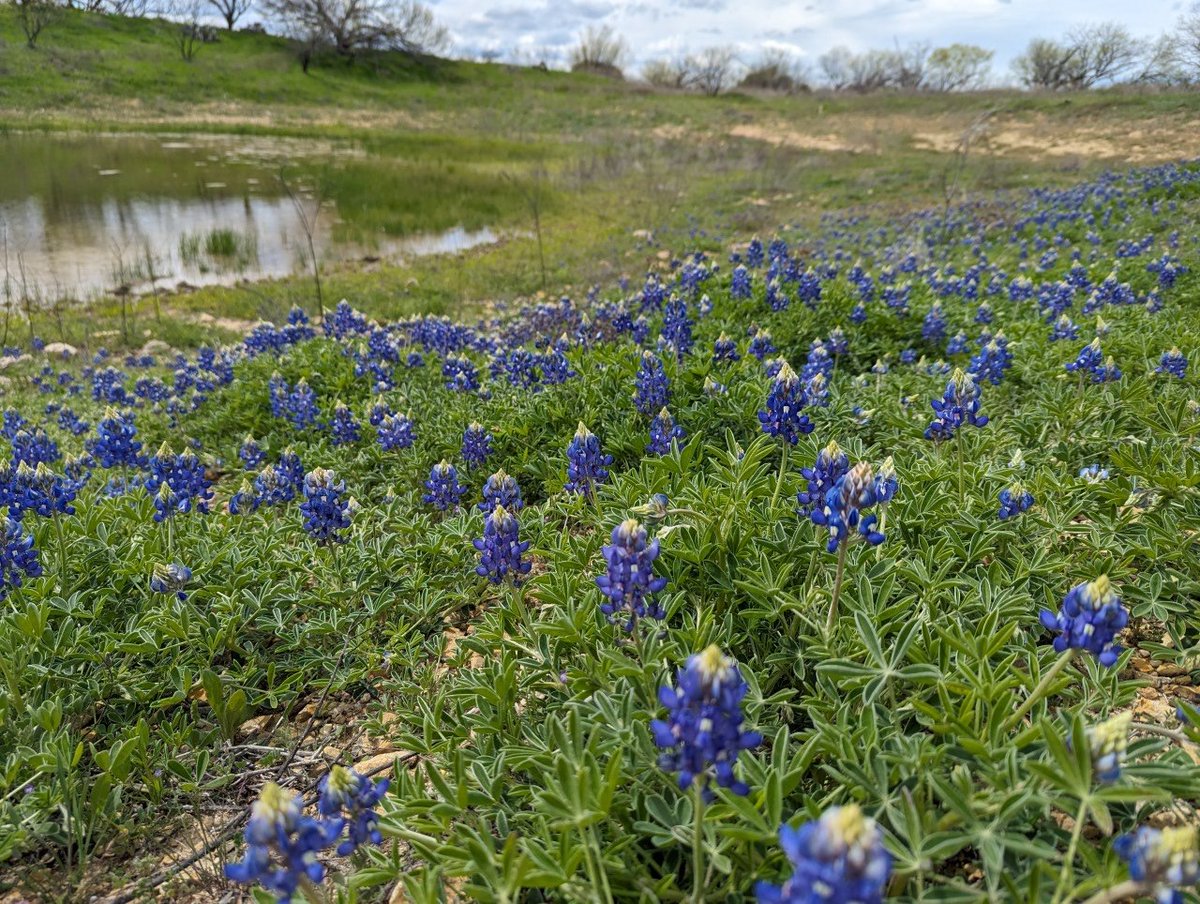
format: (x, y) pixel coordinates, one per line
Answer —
(595, 844)
(837, 588)
(1177, 736)
(783, 463)
(1040, 690)
(1069, 860)
(1130, 888)
(313, 892)
(698, 844)
(962, 496)
(62, 550)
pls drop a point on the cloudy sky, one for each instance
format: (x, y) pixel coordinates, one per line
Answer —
(654, 28)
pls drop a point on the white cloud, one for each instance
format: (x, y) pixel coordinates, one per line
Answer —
(806, 27)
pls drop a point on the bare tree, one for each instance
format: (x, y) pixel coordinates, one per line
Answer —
(189, 31)
(231, 10)
(1164, 64)
(351, 27)
(666, 74)
(1091, 55)
(35, 16)
(1104, 53)
(87, 6)
(135, 8)
(1046, 64)
(601, 50)
(958, 67)
(711, 70)
(836, 66)
(908, 67)
(775, 70)
(1187, 41)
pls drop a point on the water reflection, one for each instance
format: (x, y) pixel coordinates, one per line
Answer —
(82, 215)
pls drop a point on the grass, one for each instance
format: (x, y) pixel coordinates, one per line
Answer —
(135, 725)
(501, 698)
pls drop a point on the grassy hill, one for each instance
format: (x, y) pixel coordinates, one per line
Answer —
(457, 142)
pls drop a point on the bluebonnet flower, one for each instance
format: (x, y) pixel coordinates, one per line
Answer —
(724, 350)
(1164, 860)
(630, 584)
(1064, 328)
(991, 361)
(116, 445)
(1089, 362)
(14, 423)
(378, 411)
(277, 391)
(501, 548)
(587, 465)
(837, 859)
(830, 465)
(1090, 617)
(39, 490)
(908, 356)
(983, 313)
(501, 489)
(18, 557)
(702, 734)
(251, 454)
(838, 344)
(783, 415)
(555, 367)
(460, 374)
(1108, 742)
(761, 345)
(958, 407)
(71, 422)
(34, 447)
(957, 344)
(818, 362)
(282, 843)
(395, 431)
(245, 500)
(663, 431)
(345, 321)
(443, 486)
(844, 506)
(653, 390)
(886, 482)
(641, 330)
(1093, 473)
(677, 328)
(343, 426)
(859, 313)
(1173, 362)
(1013, 501)
(713, 388)
(351, 798)
(739, 286)
(178, 483)
(325, 509)
(172, 578)
(301, 405)
(934, 327)
(476, 445)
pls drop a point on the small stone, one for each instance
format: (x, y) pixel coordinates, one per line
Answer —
(254, 726)
(60, 350)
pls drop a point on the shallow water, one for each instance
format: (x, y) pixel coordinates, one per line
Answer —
(82, 215)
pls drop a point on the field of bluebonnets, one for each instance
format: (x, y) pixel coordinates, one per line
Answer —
(851, 563)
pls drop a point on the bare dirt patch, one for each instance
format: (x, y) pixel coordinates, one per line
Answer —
(781, 136)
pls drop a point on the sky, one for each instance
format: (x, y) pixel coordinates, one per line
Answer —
(546, 29)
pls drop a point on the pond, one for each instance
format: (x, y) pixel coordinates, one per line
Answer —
(83, 215)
